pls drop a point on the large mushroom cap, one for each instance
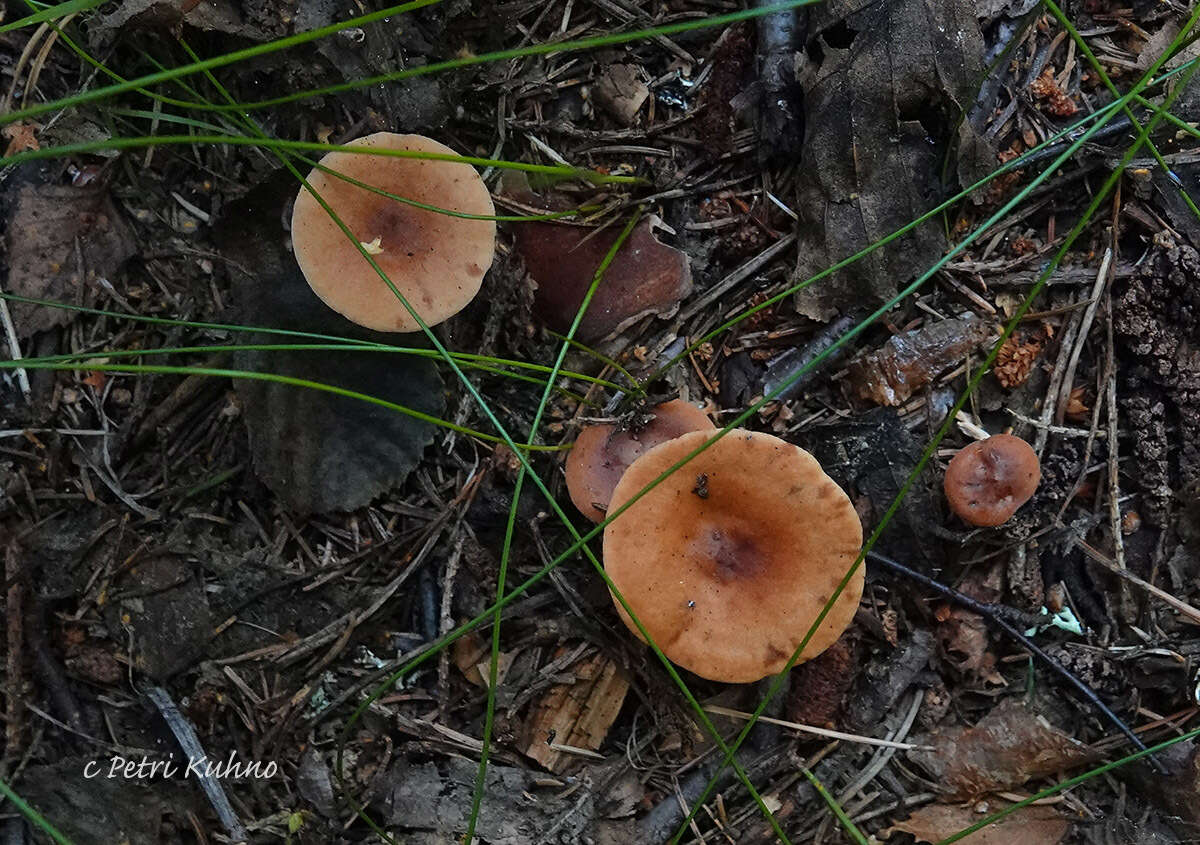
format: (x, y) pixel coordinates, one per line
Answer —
(729, 561)
(602, 453)
(437, 261)
(989, 479)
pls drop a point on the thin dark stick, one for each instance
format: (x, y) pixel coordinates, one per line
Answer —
(994, 615)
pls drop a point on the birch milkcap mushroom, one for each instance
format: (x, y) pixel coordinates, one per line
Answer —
(729, 561)
(437, 261)
(602, 453)
(988, 480)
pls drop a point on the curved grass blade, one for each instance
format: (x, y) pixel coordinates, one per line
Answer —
(51, 13)
(337, 341)
(484, 363)
(252, 375)
(275, 144)
(195, 67)
(509, 528)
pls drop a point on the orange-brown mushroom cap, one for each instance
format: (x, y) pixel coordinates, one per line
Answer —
(729, 561)
(989, 479)
(602, 453)
(437, 261)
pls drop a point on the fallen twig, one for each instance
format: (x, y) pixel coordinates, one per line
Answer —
(995, 615)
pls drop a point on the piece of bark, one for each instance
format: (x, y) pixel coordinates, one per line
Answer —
(578, 714)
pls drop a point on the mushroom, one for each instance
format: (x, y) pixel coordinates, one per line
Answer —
(729, 561)
(435, 260)
(989, 479)
(602, 453)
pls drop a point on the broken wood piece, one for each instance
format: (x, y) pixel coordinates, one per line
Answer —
(572, 719)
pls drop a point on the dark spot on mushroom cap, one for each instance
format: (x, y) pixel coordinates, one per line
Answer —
(989, 479)
(734, 554)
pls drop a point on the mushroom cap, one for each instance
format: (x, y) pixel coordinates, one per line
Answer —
(728, 572)
(435, 260)
(989, 479)
(602, 453)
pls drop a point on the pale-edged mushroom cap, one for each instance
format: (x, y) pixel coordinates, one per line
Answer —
(989, 479)
(602, 453)
(437, 261)
(729, 561)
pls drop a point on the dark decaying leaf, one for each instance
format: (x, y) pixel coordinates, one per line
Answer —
(893, 75)
(1009, 746)
(60, 240)
(317, 451)
(1027, 826)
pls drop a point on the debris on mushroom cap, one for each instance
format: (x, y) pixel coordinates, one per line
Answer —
(989, 479)
(729, 583)
(602, 453)
(645, 277)
(437, 261)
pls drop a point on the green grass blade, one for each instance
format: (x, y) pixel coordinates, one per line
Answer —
(484, 363)
(509, 529)
(252, 375)
(851, 829)
(274, 144)
(51, 13)
(36, 818)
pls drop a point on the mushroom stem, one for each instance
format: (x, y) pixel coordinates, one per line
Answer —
(995, 614)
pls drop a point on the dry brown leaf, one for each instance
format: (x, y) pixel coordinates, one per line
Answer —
(51, 228)
(1027, 826)
(1010, 745)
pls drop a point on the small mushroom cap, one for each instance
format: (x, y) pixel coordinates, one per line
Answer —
(729, 561)
(435, 260)
(989, 479)
(602, 453)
